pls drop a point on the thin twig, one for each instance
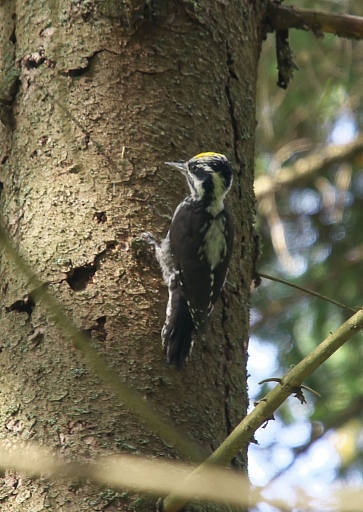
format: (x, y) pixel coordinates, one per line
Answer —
(306, 290)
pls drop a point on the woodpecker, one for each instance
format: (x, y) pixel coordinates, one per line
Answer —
(195, 255)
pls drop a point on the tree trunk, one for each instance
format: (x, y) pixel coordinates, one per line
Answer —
(108, 91)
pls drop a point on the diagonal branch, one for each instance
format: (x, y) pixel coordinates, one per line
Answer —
(305, 167)
(290, 383)
(281, 17)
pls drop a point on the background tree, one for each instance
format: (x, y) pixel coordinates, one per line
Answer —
(96, 96)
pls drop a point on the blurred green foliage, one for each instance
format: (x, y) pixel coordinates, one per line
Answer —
(312, 231)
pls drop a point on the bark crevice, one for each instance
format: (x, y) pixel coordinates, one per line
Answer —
(231, 107)
(80, 277)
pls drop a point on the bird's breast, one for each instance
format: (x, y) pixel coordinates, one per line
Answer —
(214, 246)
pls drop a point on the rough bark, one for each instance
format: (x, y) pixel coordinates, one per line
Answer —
(97, 96)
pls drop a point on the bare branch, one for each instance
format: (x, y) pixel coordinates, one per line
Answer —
(308, 166)
(290, 383)
(281, 17)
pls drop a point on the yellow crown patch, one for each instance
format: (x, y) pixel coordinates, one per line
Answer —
(206, 155)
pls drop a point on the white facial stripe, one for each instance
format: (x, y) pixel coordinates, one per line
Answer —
(196, 186)
(220, 193)
(207, 168)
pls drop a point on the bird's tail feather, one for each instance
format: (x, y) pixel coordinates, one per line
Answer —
(178, 328)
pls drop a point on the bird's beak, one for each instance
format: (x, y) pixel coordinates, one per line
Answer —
(181, 166)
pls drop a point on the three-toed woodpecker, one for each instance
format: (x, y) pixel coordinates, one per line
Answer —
(195, 255)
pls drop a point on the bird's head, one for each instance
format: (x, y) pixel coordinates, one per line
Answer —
(209, 176)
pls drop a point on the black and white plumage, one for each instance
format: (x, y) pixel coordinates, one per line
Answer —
(195, 255)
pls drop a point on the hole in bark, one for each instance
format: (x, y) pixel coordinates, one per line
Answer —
(100, 217)
(5, 159)
(43, 140)
(76, 72)
(111, 246)
(73, 73)
(12, 37)
(102, 334)
(97, 330)
(34, 60)
(79, 277)
(101, 321)
(22, 306)
(86, 16)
